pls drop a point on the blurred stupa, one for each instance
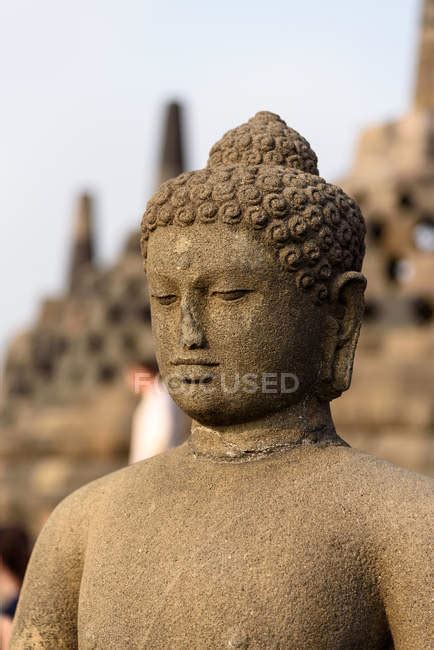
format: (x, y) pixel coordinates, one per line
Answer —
(392, 179)
(66, 409)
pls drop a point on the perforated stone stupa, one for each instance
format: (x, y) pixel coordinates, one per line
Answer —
(392, 179)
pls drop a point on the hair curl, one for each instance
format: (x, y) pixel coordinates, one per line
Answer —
(263, 176)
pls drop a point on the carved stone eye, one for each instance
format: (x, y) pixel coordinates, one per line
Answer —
(230, 296)
(165, 300)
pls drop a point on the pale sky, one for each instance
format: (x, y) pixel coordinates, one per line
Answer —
(83, 83)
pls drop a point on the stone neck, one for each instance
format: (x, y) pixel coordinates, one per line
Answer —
(308, 423)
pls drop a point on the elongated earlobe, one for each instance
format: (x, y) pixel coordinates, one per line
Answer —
(342, 332)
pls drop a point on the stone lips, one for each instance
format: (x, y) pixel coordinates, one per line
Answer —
(316, 230)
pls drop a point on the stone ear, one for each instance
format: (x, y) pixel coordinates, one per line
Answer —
(342, 332)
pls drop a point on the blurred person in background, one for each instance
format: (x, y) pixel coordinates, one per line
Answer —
(158, 424)
(14, 555)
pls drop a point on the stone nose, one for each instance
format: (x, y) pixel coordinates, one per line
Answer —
(192, 334)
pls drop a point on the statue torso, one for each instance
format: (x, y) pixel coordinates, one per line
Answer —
(187, 552)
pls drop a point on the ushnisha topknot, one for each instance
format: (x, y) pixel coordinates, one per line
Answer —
(263, 176)
(264, 140)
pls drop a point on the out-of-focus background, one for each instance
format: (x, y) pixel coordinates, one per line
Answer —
(101, 100)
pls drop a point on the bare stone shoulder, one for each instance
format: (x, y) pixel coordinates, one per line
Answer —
(380, 492)
(83, 505)
(394, 488)
(46, 613)
(398, 507)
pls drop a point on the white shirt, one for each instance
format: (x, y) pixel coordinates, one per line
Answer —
(158, 424)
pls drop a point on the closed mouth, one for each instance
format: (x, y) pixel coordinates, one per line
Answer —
(194, 362)
(205, 379)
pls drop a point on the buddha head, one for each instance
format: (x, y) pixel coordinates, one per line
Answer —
(253, 266)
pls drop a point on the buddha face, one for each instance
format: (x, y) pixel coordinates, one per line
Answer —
(235, 338)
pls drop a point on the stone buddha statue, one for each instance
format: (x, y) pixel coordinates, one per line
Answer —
(265, 529)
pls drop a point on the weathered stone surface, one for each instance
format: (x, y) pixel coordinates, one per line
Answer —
(265, 530)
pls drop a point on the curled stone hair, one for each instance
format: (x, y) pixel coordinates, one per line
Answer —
(263, 176)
